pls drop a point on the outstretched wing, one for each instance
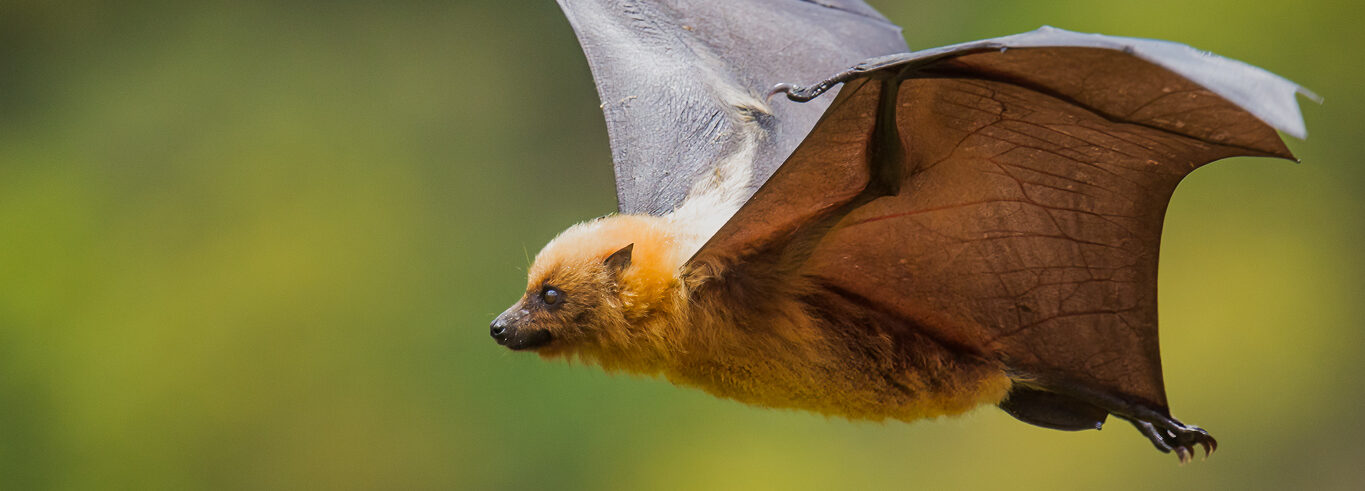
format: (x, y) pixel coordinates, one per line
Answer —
(1037, 172)
(682, 83)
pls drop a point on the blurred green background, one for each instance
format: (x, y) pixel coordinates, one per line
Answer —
(255, 246)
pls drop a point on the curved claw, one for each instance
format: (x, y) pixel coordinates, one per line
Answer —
(785, 88)
(803, 94)
(1184, 454)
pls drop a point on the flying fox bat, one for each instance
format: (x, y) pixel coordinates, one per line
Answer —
(966, 225)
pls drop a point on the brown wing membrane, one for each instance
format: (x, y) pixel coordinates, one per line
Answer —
(1028, 222)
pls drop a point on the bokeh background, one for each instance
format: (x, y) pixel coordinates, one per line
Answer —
(257, 246)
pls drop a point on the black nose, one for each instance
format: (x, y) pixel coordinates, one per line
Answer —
(499, 331)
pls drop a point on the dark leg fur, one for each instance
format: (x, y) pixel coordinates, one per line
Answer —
(1050, 410)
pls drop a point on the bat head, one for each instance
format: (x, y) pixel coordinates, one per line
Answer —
(593, 290)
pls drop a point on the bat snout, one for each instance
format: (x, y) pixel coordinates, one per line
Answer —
(508, 331)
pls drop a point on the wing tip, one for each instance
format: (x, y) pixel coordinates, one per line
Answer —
(1291, 121)
(1300, 129)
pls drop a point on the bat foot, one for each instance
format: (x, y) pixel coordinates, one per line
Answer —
(1170, 435)
(1070, 406)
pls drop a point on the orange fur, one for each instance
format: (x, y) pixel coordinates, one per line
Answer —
(758, 336)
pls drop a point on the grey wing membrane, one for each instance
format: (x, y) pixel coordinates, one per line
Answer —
(682, 83)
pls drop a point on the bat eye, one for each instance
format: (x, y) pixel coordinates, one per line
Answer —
(551, 296)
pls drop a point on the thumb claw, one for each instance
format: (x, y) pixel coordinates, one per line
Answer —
(784, 88)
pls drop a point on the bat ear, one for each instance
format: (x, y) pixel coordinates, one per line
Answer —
(618, 260)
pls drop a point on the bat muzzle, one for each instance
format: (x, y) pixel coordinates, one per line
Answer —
(508, 331)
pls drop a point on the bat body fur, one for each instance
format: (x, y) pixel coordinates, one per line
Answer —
(758, 334)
